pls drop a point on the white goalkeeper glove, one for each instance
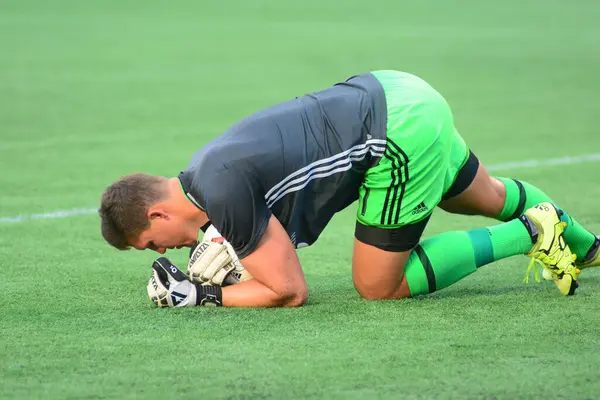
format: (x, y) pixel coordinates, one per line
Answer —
(213, 261)
(209, 263)
(169, 287)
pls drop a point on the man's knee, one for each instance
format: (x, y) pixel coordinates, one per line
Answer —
(379, 274)
(380, 292)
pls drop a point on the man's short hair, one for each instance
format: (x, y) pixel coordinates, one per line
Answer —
(125, 204)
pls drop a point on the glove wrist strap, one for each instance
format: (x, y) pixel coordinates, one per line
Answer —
(209, 296)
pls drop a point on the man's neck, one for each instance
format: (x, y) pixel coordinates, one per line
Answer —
(188, 210)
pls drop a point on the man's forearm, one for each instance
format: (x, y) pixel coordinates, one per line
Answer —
(252, 293)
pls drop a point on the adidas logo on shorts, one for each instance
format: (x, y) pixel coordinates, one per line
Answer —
(420, 208)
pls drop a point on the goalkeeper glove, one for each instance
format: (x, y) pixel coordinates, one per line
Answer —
(209, 263)
(169, 287)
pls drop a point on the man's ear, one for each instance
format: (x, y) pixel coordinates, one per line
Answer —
(157, 212)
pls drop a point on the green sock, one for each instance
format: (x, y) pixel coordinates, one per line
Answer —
(442, 260)
(521, 195)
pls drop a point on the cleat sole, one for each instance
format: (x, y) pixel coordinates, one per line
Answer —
(574, 286)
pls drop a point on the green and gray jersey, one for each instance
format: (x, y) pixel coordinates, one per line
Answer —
(302, 161)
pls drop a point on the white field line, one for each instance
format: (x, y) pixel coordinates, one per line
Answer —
(495, 167)
(542, 163)
(51, 215)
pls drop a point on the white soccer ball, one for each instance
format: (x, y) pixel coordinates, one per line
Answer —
(239, 274)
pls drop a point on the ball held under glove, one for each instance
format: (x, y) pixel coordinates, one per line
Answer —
(213, 261)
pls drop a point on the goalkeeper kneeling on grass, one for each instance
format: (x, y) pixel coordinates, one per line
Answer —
(272, 182)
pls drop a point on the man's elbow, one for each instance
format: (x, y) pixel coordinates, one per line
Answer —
(298, 300)
(294, 298)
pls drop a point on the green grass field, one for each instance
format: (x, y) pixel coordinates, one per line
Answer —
(94, 90)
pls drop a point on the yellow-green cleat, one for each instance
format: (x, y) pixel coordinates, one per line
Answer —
(550, 249)
(592, 259)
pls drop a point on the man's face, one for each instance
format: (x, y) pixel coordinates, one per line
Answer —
(165, 232)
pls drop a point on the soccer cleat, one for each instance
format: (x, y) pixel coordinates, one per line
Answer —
(550, 249)
(592, 259)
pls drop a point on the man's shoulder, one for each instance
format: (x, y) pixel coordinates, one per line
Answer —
(208, 156)
(201, 173)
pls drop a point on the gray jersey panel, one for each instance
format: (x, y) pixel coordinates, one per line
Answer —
(302, 161)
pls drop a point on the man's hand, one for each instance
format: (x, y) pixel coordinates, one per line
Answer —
(210, 263)
(169, 287)
(239, 273)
